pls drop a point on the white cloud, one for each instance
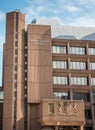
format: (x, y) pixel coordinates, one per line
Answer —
(2, 16)
(70, 12)
(86, 3)
(72, 8)
(84, 21)
(46, 8)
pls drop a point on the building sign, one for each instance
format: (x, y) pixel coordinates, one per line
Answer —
(40, 41)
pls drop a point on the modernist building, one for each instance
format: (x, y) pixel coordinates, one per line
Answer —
(48, 75)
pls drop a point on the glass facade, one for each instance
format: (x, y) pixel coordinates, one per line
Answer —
(79, 80)
(81, 96)
(59, 49)
(61, 95)
(91, 51)
(60, 64)
(78, 65)
(77, 50)
(60, 80)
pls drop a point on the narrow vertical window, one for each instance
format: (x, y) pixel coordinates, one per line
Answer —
(51, 108)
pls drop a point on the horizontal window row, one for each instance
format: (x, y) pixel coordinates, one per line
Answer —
(74, 80)
(73, 65)
(73, 50)
(76, 96)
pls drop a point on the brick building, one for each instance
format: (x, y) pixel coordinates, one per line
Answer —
(48, 75)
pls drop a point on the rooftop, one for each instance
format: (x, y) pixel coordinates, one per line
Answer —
(66, 31)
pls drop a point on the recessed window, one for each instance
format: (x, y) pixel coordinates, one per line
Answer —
(15, 68)
(93, 81)
(15, 59)
(15, 76)
(16, 43)
(88, 114)
(60, 80)
(15, 51)
(77, 50)
(78, 65)
(94, 98)
(60, 64)
(61, 95)
(51, 108)
(1, 96)
(81, 96)
(91, 51)
(59, 49)
(92, 66)
(79, 81)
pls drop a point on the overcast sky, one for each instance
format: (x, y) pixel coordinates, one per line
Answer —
(68, 12)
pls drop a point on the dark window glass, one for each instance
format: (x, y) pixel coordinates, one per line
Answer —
(81, 96)
(88, 114)
(88, 128)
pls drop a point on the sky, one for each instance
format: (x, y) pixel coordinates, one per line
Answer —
(68, 12)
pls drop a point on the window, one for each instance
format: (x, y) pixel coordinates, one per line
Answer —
(88, 128)
(78, 65)
(15, 68)
(92, 81)
(91, 51)
(15, 51)
(59, 49)
(92, 66)
(1, 96)
(60, 80)
(60, 64)
(81, 96)
(51, 108)
(79, 80)
(77, 50)
(88, 114)
(94, 97)
(61, 95)
(15, 59)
